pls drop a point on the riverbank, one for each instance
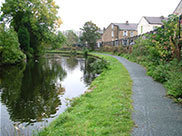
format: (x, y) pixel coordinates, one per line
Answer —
(106, 110)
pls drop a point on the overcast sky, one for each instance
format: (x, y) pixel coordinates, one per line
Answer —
(75, 13)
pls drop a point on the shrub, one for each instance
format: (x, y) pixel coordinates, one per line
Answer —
(174, 84)
(10, 52)
(99, 65)
(160, 73)
(159, 53)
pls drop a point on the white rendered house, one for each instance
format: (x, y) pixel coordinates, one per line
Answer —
(148, 24)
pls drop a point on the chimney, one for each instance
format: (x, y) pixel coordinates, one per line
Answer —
(104, 29)
(127, 22)
(162, 17)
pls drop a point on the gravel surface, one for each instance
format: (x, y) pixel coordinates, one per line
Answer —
(154, 113)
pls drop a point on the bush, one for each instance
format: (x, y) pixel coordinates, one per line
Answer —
(118, 50)
(160, 73)
(10, 52)
(99, 65)
(169, 73)
(12, 56)
(174, 84)
(156, 53)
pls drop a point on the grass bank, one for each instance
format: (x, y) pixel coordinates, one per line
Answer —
(105, 111)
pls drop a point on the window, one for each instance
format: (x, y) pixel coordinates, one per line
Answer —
(124, 42)
(154, 27)
(131, 34)
(125, 33)
(142, 29)
(112, 26)
(131, 42)
(112, 33)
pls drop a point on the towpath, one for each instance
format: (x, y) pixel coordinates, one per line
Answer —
(154, 113)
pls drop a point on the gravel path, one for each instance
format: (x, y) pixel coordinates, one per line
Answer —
(154, 114)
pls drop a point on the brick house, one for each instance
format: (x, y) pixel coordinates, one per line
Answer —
(178, 10)
(119, 31)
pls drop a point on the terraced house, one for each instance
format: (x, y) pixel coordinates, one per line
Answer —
(119, 32)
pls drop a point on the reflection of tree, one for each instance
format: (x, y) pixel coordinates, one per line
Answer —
(89, 75)
(71, 63)
(11, 79)
(32, 95)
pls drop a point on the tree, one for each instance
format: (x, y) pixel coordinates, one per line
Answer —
(39, 17)
(71, 38)
(24, 38)
(90, 34)
(57, 40)
(10, 52)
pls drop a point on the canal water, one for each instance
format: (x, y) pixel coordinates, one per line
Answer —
(32, 95)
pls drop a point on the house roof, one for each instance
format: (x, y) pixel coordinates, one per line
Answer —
(156, 20)
(126, 26)
(178, 9)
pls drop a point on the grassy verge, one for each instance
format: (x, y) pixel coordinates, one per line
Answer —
(106, 110)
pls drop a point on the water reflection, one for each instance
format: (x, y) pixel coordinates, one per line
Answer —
(31, 93)
(89, 75)
(71, 63)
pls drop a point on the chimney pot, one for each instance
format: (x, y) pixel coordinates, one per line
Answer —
(162, 17)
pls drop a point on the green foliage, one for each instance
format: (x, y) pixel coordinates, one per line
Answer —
(166, 40)
(39, 17)
(99, 65)
(90, 34)
(85, 52)
(10, 52)
(174, 84)
(24, 38)
(71, 38)
(12, 56)
(160, 53)
(57, 40)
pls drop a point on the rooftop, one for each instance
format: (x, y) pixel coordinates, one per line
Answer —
(155, 20)
(126, 26)
(178, 9)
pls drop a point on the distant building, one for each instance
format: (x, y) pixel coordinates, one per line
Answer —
(148, 24)
(117, 31)
(99, 41)
(178, 10)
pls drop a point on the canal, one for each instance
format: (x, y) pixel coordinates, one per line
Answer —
(35, 93)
